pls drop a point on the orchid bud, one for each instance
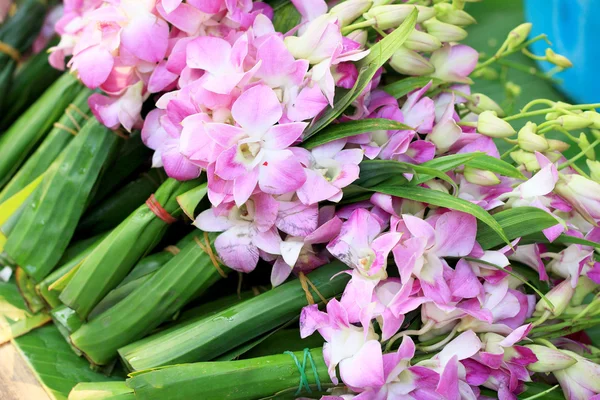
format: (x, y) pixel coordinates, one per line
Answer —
(486, 73)
(437, 185)
(584, 287)
(409, 62)
(444, 134)
(447, 13)
(584, 145)
(480, 176)
(421, 41)
(392, 15)
(573, 122)
(594, 117)
(553, 156)
(444, 32)
(557, 145)
(581, 379)
(525, 158)
(557, 59)
(549, 360)
(350, 10)
(531, 141)
(558, 107)
(512, 89)
(490, 125)
(594, 167)
(518, 35)
(360, 36)
(483, 102)
(560, 297)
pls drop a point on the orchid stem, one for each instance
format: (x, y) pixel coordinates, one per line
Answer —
(433, 347)
(421, 331)
(358, 25)
(501, 54)
(578, 156)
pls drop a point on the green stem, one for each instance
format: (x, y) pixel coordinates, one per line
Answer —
(528, 70)
(501, 54)
(533, 56)
(547, 110)
(578, 156)
(358, 25)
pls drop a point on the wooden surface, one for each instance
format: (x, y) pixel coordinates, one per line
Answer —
(17, 382)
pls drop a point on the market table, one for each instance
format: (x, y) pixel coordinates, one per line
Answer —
(17, 382)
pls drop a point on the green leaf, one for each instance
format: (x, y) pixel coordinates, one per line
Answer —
(285, 16)
(489, 163)
(516, 222)
(375, 172)
(475, 160)
(441, 199)
(379, 54)
(562, 239)
(514, 275)
(404, 86)
(15, 318)
(189, 200)
(53, 362)
(351, 128)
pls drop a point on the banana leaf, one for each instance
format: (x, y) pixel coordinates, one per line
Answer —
(112, 260)
(59, 137)
(109, 213)
(15, 317)
(45, 229)
(30, 81)
(250, 379)
(18, 33)
(214, 335)
(184, 277)
(34, 124)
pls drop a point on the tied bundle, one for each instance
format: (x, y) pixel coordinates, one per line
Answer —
(428, 246)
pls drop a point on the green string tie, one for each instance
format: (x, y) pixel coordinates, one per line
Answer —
(301, 369)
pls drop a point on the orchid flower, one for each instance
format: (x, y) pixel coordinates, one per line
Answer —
(328, 168)
(246, 230)
(421, 253)
(344, 341)
(256, 151)
(361, 245)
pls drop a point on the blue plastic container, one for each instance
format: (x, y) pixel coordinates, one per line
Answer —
(573, 27)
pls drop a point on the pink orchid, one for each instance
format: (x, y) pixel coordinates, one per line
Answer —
(530, 256)
(581, 380)
(421, 254)
(122, 110)
(387, 301)
(534, 192)
(454, 63)
(222, 62)
(362, 246)
(328, 168)
(299, 253)
(582, 194)
(246, 230)
(166, 148)
(344, 341)
(256, 151)
(502, 352)
(571, 262)
(378, 376)
(452, 374)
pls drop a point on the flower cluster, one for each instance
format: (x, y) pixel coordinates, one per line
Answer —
(236, 99)
(131, 49)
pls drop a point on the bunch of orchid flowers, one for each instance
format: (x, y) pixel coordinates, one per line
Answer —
(429, 312)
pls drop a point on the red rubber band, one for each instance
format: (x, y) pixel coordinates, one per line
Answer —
(159, 211)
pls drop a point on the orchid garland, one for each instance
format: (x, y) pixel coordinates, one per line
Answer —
(430, 312)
